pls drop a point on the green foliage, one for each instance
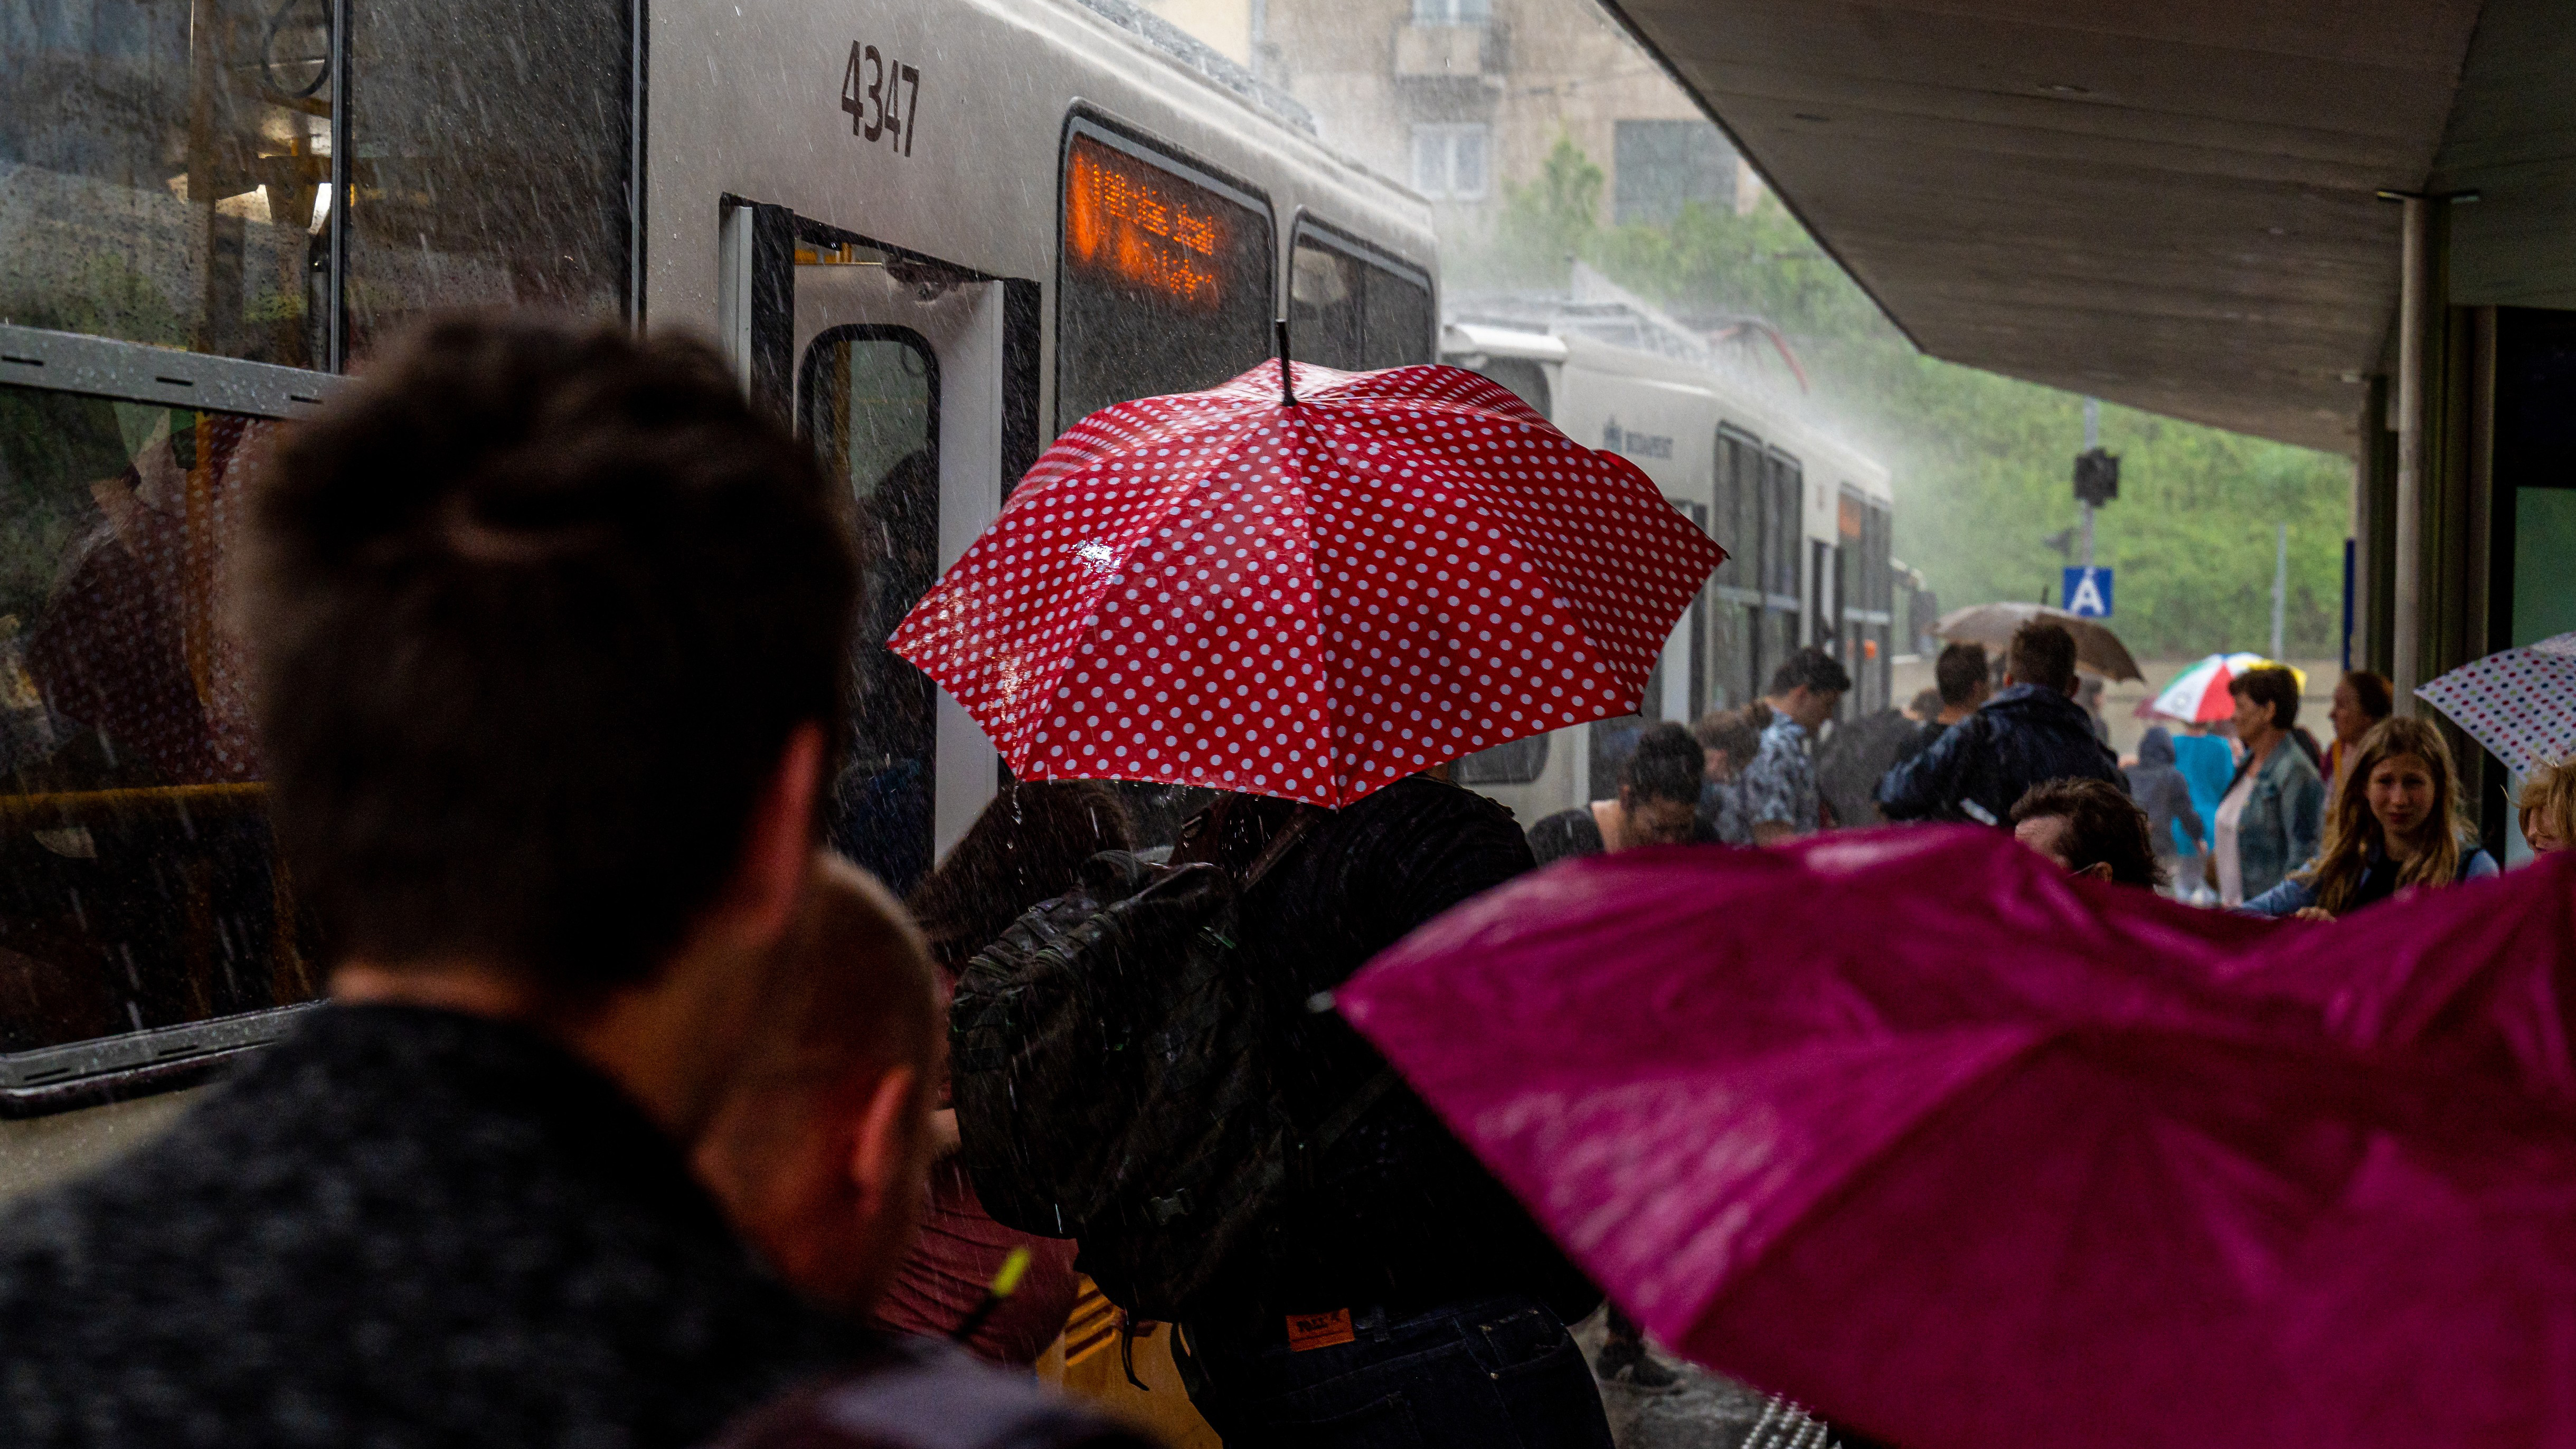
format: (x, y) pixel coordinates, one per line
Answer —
(1545, 221)
(1983, 463)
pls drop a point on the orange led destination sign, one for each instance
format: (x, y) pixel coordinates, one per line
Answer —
(1140, 225)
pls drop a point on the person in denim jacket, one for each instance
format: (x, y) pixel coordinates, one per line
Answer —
(2274, 810)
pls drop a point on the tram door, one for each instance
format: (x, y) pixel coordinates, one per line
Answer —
(892, 366)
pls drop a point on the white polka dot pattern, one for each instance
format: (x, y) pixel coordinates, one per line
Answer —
(2520, 703)
(1310, 602)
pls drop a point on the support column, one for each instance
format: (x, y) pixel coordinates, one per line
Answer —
(2417, 310)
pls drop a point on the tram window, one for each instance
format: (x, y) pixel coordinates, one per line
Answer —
(166, 167)
(1518, 762)
(138, 887)
(1166, 283)
(1783, 525)
(1738, 525)
(1731, 657)
(1347, 312)
(870, 400)
(1526, 380)
(490, 158)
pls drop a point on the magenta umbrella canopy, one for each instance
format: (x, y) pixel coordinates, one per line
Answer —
(1967, 1154)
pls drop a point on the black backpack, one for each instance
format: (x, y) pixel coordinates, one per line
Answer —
(1111, 1061)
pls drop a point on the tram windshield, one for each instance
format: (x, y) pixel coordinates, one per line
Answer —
(137, 884)
(1166, 285)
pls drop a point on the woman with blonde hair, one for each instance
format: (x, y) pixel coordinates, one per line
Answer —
(2548, 804)
(2395, 825)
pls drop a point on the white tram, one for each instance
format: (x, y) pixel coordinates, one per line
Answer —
(931, 234)
(1806, 519)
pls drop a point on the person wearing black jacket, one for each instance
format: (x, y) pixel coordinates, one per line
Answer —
(1408, 1284)
(2031, 731)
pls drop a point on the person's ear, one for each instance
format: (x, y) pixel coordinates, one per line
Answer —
(778, 842)
(886, 1150)
(2100, 870)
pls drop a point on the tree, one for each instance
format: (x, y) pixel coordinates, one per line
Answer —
(1982, 463)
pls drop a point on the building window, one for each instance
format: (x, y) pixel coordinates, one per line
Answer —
(1450, 161)
(1451, 12)
(1659, 166)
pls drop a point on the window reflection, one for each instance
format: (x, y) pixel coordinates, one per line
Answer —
(490, 160)
(137, 882)
(870, 400)
(164, 172)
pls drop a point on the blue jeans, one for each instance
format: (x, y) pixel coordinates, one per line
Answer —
(1493, 1373)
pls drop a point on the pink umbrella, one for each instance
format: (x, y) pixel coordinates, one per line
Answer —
(1913, 1128)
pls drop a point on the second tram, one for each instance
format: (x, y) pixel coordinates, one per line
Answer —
(1807, 521)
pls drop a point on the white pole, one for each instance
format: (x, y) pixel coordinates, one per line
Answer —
(2280, 587)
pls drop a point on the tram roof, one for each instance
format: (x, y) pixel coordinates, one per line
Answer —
(2169, 203)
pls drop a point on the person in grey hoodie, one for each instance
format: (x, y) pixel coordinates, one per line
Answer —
(2159, 788)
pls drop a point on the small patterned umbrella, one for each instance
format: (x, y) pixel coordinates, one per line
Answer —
(2200, 692)
(2520, 703)
(1307, 598)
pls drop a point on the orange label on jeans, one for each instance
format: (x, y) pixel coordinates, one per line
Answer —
(1319, 1330)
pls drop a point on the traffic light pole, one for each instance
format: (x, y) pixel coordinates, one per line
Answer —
(2092, 440)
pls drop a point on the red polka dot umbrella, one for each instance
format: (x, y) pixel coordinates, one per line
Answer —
(1307, 600)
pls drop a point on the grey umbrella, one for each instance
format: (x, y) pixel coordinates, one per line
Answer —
(2097, 649)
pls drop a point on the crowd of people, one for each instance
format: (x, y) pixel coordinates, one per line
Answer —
(2256, 816)
(630, 1118)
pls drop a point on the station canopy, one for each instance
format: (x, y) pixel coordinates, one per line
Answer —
(2173, 204)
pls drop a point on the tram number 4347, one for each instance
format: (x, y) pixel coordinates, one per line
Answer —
(882, 96)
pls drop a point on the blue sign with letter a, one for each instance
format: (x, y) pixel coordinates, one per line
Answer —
(2088, 592)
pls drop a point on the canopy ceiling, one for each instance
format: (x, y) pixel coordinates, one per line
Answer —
(2169, 203)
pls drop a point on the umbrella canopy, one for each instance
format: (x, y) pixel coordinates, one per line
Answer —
(1307, 600)
(1916, 1129)
(2096, 647)
(2520, 703)
(2199, 692)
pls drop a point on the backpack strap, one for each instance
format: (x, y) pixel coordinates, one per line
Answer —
(1297, 828)
(1350, 1112)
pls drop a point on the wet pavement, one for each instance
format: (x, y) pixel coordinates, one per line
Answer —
(1702, 1411)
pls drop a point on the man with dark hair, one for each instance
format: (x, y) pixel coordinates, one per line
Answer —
(550, 632)
(1962, 685)
(2089, 828)
(1779, 791)
(1961, 674)
(2031, 730)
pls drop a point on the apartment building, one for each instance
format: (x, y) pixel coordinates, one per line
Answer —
(1463, 98)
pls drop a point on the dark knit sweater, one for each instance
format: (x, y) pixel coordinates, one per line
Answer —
(397, 1228)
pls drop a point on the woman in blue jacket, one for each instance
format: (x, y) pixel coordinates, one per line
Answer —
(2396, 824)
(2268, 821)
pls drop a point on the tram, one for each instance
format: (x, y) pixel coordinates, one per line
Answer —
(929, 235)
(1806, 518)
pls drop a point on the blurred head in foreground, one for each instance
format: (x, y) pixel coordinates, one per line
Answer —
(551, 630)
(2089, 827)
(820, 1149)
